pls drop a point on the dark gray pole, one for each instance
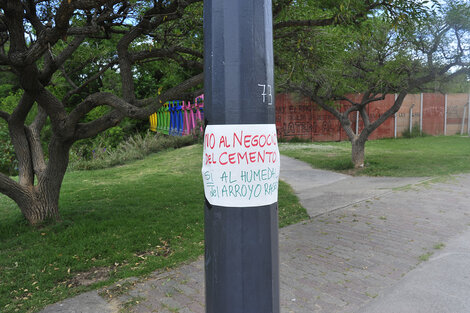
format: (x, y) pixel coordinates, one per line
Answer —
(241, 243)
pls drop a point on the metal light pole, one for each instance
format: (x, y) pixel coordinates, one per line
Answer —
(241, 159)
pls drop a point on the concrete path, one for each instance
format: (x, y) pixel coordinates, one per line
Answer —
(440, 285)
(369, 247)
(322, 191)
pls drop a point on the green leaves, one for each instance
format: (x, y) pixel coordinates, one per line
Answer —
(458, 15)
(374, 46)
(8, 162)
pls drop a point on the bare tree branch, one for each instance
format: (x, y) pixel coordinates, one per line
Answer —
(12, 189)
(304, 23)
(78, 89)
(4, 115)
(169, 53)
(33, 133)
(31, 15)
(392, 110)
(87, 130)
(121, 108)
(67, 78)
(157, 15)
(172, 93)
(4, 60)
(47, 36)
(19, 140)
(52, 66)
(55, 110)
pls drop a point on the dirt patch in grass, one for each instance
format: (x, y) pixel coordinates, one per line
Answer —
(353, 171)
(99, 274)
(87, 278)
(160, 250)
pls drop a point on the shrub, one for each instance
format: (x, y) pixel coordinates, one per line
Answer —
(134, 148)
(294, 140)
(415, 132)
(8, 161)
(8, 101)
(86, 149)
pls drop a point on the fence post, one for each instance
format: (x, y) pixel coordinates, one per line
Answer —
(241, 230)
(166, 115)
(192, 115)
(411, 117)
(445, 115)
(468, 117)
(153, 122)
(171, 109)
(173, 121)
(199, 117)
(163, 117)
(186, 127)
(179, 116)
(357, 123)
(201, 108)
(462, 126)
(421, 115)
(395, 122)
(159, 119)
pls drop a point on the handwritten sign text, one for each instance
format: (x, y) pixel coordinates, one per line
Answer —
(241, 165)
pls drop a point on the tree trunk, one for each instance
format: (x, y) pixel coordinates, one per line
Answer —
(41, 206)
(41, 202)
(357, 155)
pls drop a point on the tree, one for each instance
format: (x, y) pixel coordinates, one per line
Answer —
(41, 42)
(77, 63)
(294, 16)
(375, 58)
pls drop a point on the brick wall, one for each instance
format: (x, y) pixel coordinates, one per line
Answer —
(301, 118)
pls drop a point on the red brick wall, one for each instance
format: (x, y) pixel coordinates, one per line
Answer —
(433, 113)
(300, 118)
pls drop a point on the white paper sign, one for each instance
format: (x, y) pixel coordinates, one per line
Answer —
(241, 164)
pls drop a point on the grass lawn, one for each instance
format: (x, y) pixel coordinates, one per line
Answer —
(117, 222)
(421, 156)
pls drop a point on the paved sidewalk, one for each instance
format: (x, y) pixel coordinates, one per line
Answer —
(365, 249)
(440, 285)
(322, 191)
